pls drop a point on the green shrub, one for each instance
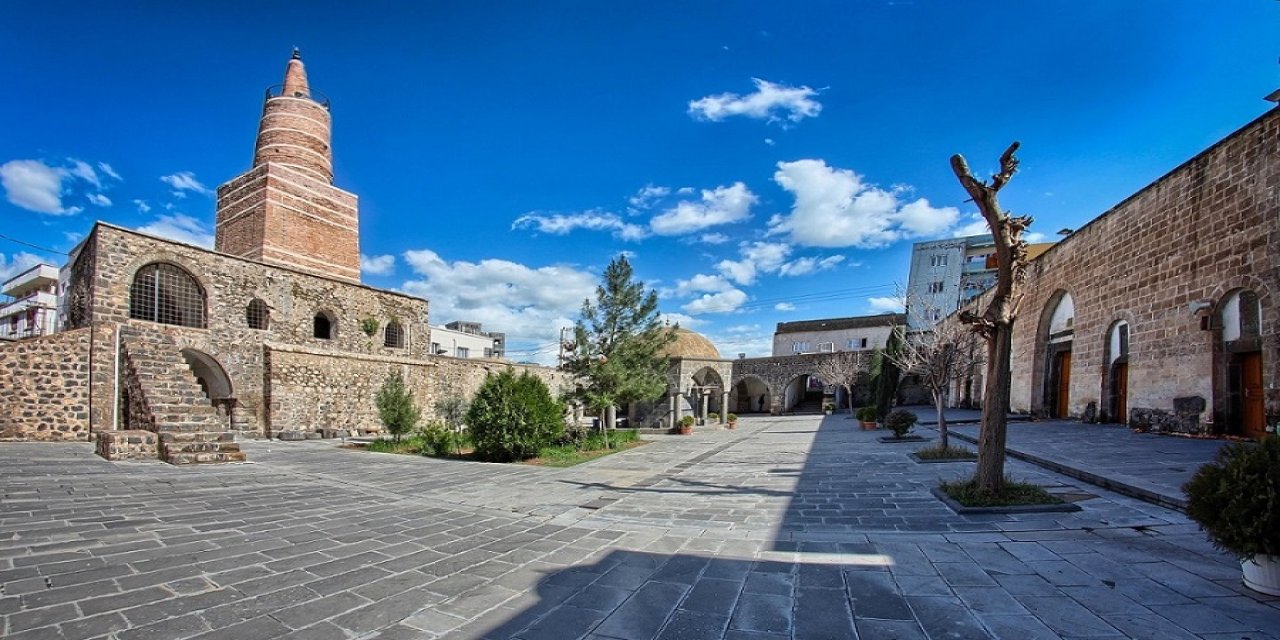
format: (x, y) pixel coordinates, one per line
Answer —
(868, 413)
(733, 417)
(967, 493)
(900, 422)
(1236, 498)
(949, 453)
(687, 421)
(512, 418)
(439, 440)
(713, 417)
(395, 406)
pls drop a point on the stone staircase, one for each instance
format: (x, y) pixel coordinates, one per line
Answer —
(807, 406)
(165, 397)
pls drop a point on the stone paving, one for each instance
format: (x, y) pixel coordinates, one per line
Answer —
(789, 527)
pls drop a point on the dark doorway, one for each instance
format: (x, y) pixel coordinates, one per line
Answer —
(1060, 383)
(1120, 392)
(1245, 379)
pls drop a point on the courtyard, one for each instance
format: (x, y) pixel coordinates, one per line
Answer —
(788, 527)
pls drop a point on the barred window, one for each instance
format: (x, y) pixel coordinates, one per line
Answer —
(393, 335)
(165, 293)
(322, 326)
(257, 315)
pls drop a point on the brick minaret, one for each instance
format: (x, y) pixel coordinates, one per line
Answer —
(285, 210)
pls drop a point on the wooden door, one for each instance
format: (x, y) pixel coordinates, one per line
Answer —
(1063, 376)
(1120, 382)
(1252, 417)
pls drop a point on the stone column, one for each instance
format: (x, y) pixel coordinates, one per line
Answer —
(724, 407)
(703, 397)
(675, 408)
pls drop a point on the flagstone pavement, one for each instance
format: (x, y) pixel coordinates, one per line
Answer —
(788, 527)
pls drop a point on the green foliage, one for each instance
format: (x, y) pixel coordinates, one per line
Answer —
(900, 422)
(967, 493)
(868, 413)
(369, 326)
(733, 417)
(616, 343)
(408, 445)
(713, 417)
(687, 421)
(1236, 498)
(590, 447)
(828, 407)
(439, 439)
(885, 373)
(947, 453)
(395, 406)
(512, 418)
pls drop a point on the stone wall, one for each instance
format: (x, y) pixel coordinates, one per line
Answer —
(777, 372)
(44, 387)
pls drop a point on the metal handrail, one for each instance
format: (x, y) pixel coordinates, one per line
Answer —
(277, 91)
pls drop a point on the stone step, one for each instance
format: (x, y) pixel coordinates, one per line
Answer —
(196, 436)
(205, 457)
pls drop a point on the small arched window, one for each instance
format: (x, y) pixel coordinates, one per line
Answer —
(393, 335)
(323, 326)
(257, 315)
(165, 293)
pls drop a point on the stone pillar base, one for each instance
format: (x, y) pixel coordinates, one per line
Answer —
(128, 445)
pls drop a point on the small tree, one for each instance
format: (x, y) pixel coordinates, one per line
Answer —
(396, 408)
(845, 369)
(885, 374)
(451, 409)
(513, 418)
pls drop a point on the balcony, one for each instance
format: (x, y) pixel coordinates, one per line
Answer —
(41, 276)
(38, 299)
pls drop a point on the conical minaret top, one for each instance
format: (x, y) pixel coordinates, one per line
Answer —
(295, 126)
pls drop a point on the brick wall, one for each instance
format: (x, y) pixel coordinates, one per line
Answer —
(45, 383)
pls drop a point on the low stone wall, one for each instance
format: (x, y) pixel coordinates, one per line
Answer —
(45, 383)
(128, 445)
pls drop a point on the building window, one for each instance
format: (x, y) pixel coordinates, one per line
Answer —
(935, 287)
(938, 260)
(464, 352)
(393, 335)
(164, 293)
(864, 343)
(826, 347)
(257, 314)
(322, 326)
(800, 347)
(436, 350)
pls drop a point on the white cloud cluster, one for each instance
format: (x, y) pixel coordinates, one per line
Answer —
(809, 264)
(560, 224)
(40, 187)
(17, 263)
(647, 196)
(529, 304)
(976, 225)
(887, 304)
(784, 306)
(718, 206)
(836, 208)
(184, 181)
(180, 227)
(771, 257)
(377, 265)
(722, 302)
(770, 101)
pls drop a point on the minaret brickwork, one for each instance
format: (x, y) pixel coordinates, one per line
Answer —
(285, 210)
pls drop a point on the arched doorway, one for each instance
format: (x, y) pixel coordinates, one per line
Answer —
(753, 396)
(706, 393)
(1056, 333)
(803, 394)
(1240, 315)
(1117, 382)
(213, 380)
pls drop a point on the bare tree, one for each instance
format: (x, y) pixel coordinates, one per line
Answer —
(995, 324)
(845, 370)
(937, 355)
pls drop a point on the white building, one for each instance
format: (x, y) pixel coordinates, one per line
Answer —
(32, 306)
(829, 335)
(947, 273)
(466, 340)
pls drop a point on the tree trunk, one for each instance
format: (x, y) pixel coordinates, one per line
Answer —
(995, 410)
(943, 443)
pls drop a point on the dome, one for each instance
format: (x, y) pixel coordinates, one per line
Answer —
(690, 345)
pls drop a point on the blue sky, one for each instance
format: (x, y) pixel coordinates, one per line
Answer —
(760, 162)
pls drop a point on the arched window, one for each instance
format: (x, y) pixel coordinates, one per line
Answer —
(165, 293)
(257, 315)
(393, 335)
(323, 326)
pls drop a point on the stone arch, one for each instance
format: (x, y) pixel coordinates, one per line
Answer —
(803, 392)
(324, 325)
(1239, 361)
(166, 293)
(704, 392)
(393, 335)
(752, 394)
(1117, 348)
(257, 314)
(1051, 367)
(213, 378)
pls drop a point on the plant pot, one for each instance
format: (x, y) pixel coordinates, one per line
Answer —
(686, 431)
(731, 425)
(1262, 574)
(868, 426)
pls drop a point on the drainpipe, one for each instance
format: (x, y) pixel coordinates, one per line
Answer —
(115, 387)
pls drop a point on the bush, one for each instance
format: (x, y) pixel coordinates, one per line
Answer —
(395, 406)
(733, 417)
(439, 440)
(687, 421)
(967, 493)
(512, 418)
(713, 417)
(949, 453)
(828, 407)
(1236, 498)
(900, 422)
(868, 413)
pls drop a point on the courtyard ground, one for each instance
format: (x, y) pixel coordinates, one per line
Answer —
(788, 527)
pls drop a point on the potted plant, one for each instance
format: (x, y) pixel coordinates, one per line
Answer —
(713, 417)
(828, 407)
(686, 425)
(900, 422)
(732, 421)
(1236, 500)
(867, 417)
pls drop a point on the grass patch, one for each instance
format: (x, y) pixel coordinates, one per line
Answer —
(593, 446)
(410, 446)
(967, 493)
(949, 453)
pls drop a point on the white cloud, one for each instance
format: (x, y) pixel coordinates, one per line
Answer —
(770, 101)
(19, 262)
(784, 306)
(685, 321)
(106, 168)
(713, 238)
(887, 304)
(721, 205)
(99, 199)
(84, 171)
(809, 264)
(184, 181)
(594, 220)
(647, 196)
(701, 283)
(529, 304)
(377, 265)
(975, 225)
(142, 205)
(836, 208)
(36, 186)
(180, 227)
(770, 141)
(723, 302)
(1034, 237)
(757, 257)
